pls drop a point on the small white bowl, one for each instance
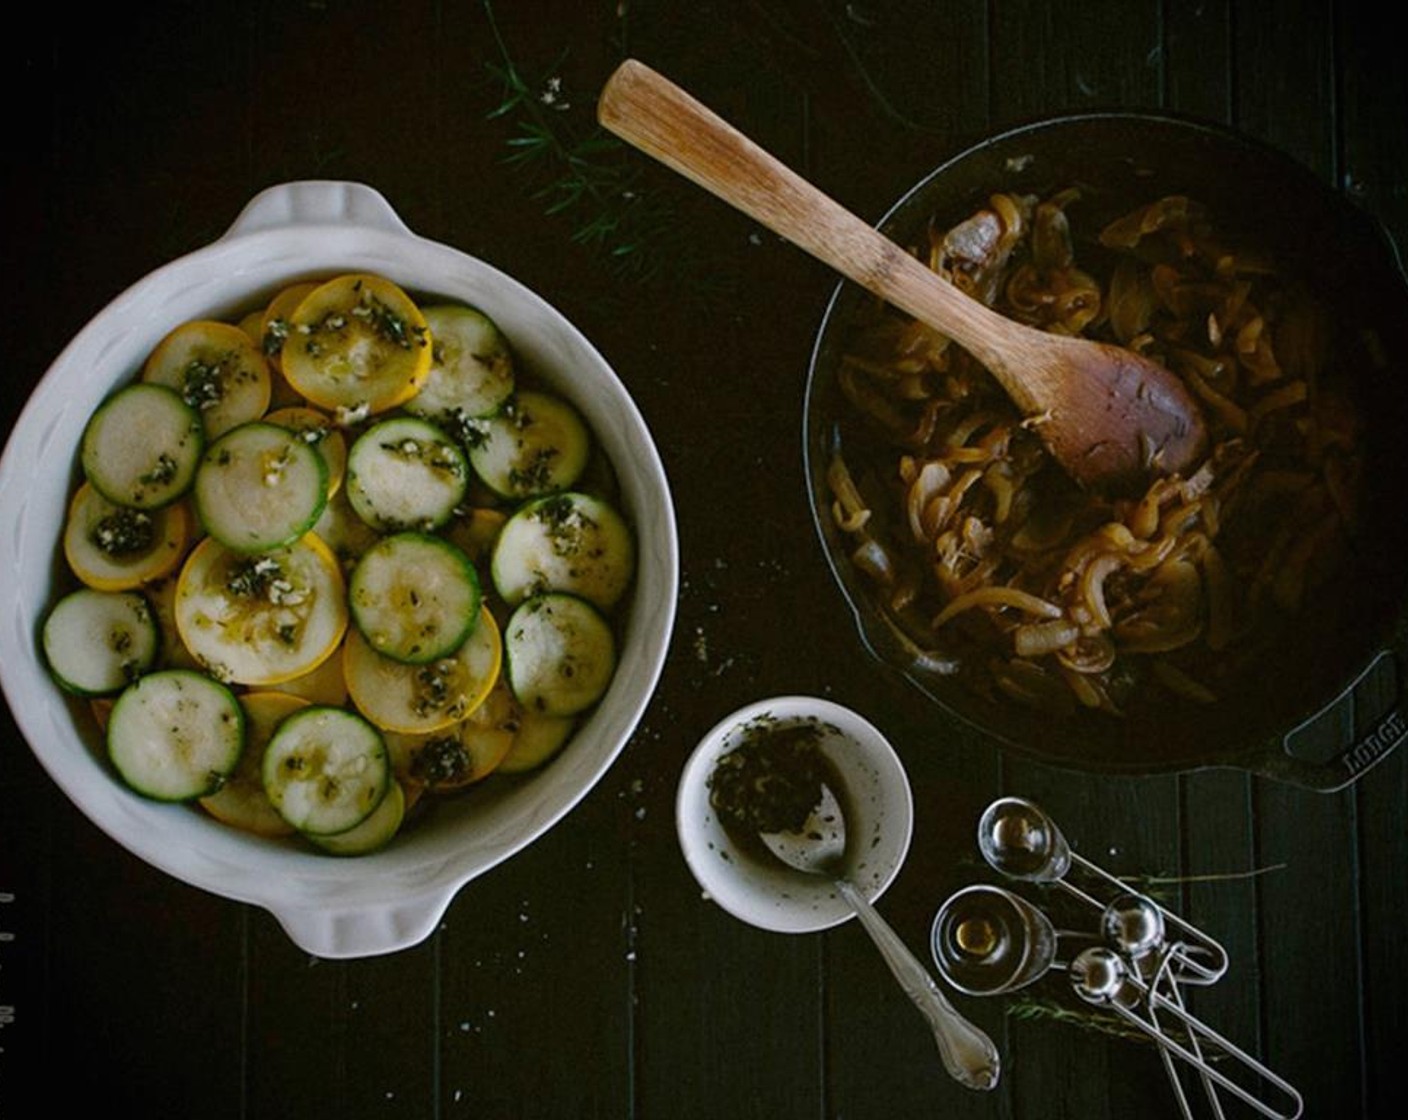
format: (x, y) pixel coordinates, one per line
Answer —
(762, 891)
(395, 897)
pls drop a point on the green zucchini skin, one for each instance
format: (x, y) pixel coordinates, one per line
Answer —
(559, 653)
(141, 447)
(176, 735)
(536, 444)
(97, 642)
(260, 487)
(471, 366)
(572, 542)
(326, 770)
(415, 597)
(377, 830)
(406, 473)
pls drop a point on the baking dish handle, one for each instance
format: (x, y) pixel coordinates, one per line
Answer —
(316, 202)
(334, 932)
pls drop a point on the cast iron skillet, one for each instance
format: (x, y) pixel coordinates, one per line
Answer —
(1330, 703)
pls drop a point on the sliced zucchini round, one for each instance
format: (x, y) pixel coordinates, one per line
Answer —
(536, 444)
(261, 620)
(414, 597)
(317, 430)
(570, 542)
(539, 739)
(421, 698)
(175, 735)
(356, 343)
(325, 770)
(217, 369)
(560, 653)
(376, 831)
(117, 548)
(141, 446)
(259, 487)
(98, 642)
(471, 368)
(406, 473)
(241, 802)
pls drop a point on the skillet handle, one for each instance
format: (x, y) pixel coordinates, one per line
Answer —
(1362, 726)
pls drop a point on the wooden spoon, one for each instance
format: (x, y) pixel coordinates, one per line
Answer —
(1110, 417)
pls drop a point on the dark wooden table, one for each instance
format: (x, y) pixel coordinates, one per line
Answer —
(587, 976)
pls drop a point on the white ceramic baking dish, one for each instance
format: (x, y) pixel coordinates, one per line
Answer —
(394, 898)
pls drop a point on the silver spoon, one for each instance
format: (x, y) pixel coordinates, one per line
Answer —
(819, 848)
(1101, 977)
(1017, 838)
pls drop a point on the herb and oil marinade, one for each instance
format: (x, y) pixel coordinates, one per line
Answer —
(771, 780)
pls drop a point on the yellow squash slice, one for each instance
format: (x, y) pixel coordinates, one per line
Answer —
(252, 323)
(324, 684)
(459, 756)
(318, 430)
(357, 344)
(417, 699)
(218, 370)
(241, 802)
(261, 620)
(162, 597)
(275, 320)
(114, 548)
(474, 531)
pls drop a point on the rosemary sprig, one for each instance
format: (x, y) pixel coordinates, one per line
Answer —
(587, 174)
(1028, 1007)
(1161, 887)
(1033, 1008)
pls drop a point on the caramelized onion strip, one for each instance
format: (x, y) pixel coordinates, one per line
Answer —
(993, 598)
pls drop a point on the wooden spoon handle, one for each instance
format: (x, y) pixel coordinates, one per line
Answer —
(665, 122)
(1108, 416)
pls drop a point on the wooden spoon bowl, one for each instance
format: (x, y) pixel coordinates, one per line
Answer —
(1267, 715)
(1110, 417)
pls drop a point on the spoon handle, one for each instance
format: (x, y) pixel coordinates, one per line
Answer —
(968, 1054)
(663, 121)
